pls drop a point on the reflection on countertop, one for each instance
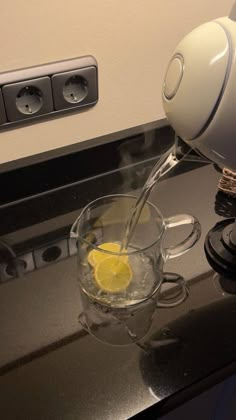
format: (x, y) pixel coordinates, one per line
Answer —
(50, 367)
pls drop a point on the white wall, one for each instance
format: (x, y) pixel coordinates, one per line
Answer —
(132, 41)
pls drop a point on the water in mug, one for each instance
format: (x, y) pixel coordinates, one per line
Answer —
(144, 282)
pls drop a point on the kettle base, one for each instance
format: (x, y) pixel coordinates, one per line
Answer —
(220, 251)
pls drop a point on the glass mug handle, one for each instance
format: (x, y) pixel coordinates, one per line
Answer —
(176, 251)
(189, 242)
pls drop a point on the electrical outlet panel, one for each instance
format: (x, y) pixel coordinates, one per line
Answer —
(49, 90)
(73, 88)
(13, 268)
(28, 98)
(51, 253)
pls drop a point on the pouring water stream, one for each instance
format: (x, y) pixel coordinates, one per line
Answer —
(167, 162)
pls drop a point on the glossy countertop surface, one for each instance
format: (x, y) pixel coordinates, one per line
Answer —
(50, 367)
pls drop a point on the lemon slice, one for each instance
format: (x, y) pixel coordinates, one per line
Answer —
(94, 257)
(113, 274)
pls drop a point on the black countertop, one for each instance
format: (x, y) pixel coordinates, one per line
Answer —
(50, 367)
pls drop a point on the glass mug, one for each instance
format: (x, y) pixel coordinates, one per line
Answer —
(124, 315)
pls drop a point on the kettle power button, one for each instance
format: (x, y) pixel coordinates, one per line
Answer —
(173, 77)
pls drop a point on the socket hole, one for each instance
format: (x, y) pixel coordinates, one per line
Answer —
(29, 100)
(51, 254)
(75, 89)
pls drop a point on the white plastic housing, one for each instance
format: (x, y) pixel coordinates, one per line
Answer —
(203, 109)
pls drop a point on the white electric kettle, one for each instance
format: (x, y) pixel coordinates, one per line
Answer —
(199, 90)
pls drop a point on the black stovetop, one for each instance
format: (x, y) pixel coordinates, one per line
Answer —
(50, 367)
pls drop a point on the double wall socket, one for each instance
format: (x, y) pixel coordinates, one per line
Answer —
(47, 90)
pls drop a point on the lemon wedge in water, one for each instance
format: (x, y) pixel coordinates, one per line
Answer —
(94, 257)
(113, 274)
